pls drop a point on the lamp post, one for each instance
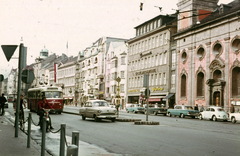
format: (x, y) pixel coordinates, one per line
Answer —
(118, 96)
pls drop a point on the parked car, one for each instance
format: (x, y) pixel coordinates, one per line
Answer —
(214, 113)
(182, 111)
(97, 109)
(135, 109)
(156, 109)
(234, 117)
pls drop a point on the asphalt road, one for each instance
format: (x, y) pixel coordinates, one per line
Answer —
(174, 136)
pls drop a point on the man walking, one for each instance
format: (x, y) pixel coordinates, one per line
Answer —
(2, 103)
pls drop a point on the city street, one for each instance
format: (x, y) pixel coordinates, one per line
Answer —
(174, 136)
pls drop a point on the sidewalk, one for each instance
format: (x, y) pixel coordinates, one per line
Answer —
(15, 146)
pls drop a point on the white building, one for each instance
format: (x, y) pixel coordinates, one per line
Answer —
(65, 78)
(116, 66)
(92, 69)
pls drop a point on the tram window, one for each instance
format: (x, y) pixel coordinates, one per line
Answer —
(57, 94)
(48, 94)
(38, 94)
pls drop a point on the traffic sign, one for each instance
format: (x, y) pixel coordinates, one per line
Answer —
(9, 50)
(28, 76)
(146, 92)
(1, 77)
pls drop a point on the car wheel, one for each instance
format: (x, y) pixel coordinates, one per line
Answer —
(233, 119)
(169, 114)
(134, 111)
(83, 117)
(95, 118)
(127, 111)
(182, 115)
(214, 118)
(113, 120)
(155, 113)
(200, 117)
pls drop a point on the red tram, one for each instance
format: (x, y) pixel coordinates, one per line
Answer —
(53, 94)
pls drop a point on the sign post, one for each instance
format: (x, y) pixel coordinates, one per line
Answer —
(9, 51)
(147, 91)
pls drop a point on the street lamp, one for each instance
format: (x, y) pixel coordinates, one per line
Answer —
(118, 96)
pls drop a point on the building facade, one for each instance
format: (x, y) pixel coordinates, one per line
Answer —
(116, 67)
(208, 53)
(92, 69)
(150, 53)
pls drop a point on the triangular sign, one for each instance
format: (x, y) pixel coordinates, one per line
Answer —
(9, 50)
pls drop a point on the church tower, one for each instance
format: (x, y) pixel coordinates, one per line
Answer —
(43, 53)
(193, 11)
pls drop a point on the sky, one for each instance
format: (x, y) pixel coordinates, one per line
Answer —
(69, 26)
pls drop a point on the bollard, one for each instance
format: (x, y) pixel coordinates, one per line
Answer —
(72, 150)
(29, 130)
(43, 136)
(75, 141)
(62, 140)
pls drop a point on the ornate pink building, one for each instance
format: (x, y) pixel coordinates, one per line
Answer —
(208, 58)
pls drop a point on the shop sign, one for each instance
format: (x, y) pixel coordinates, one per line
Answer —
(157, 89)
(133, 91)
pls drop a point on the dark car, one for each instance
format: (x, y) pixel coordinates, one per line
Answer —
(156, 109)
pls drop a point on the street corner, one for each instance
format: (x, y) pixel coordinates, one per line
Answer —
(146, 123)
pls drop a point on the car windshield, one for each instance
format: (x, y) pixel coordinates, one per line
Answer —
(189, 108)
(100, 104)
(220, 110)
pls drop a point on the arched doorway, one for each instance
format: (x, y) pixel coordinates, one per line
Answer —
(216, 98)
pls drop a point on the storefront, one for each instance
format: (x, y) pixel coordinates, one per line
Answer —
(67, 100)
(170, 99)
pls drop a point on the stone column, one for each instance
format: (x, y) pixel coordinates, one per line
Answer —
(226, 72)
(190, 77)
(177, 75)
(208, 88)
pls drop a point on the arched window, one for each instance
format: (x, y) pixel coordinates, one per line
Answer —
(216, 75)
(236, 81)
(200, 84)
(183, 86)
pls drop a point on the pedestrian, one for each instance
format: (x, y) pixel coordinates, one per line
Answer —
(196, 107)
(201, 109)
(2, 103)
(44, 105)
(21, 105)
(232, 109)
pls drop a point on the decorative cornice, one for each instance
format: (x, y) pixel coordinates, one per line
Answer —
(217, 63)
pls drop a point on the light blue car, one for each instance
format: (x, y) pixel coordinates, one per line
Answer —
(182, 111)
(135, 109)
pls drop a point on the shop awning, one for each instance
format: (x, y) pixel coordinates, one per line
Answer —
(155, 98)
(169, 96)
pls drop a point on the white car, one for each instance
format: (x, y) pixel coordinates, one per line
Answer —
(234, 117)
(214, 113)
(98, 109)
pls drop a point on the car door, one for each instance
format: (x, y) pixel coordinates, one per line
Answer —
(212, 112)
(88, 109)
